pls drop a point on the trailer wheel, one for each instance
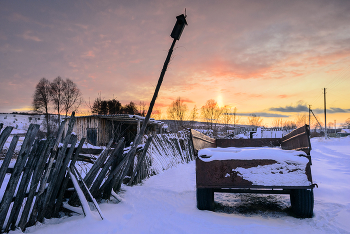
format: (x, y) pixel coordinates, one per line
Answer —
(302, 201)
(205, 199)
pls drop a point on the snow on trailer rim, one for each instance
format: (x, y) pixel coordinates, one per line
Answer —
(251, 153)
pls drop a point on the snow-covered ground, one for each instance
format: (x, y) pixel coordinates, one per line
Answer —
(166, 203)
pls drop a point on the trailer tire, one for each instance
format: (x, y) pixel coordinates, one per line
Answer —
(302, 201)
(205, 199)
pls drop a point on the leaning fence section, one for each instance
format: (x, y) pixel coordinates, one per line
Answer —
(168, 150)
(30, 189)
(44, 178)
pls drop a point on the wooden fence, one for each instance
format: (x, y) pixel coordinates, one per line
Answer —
(36, 187)
(168, 150)
(36, 178)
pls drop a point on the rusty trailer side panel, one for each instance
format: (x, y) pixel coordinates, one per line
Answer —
(221, 174)
(298, 139)
(257, 142)
(201, 141)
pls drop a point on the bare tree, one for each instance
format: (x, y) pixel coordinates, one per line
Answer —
(289, 125)
(177, 111)
(193, 115)
(255, 120)
(142, 107)
(72, 97)
(347, 123)
(211, 112)
(41, 100)
(156, 114)
(226, 115)
(277, 123)
(300, 120)
(57, 95)
(236, 119)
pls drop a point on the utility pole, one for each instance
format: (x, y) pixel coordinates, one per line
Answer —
(309, 116)
(175, 34)
(316, 120)
(325, 113)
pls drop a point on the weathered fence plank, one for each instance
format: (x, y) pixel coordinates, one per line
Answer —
(44, 154)
(73, 168)
(116, 172)
(40, 196)
(66, 179)
(118, 158)
(97, 183)
(91, 175)
(7, 159)
(140, 161)
(21, 191)
(52, 158)
(61, 171)
(4, 135)
(15, 176)
(53, 183)
(116, 186)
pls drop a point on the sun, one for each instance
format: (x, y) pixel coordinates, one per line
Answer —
(220, 100)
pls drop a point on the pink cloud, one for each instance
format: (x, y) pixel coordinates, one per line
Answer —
(26, 35)
(89, 54)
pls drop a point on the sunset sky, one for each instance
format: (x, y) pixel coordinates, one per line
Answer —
(272, 58)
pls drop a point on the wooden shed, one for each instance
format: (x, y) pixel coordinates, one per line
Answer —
(99, 129)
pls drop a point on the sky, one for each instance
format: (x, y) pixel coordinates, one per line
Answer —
(271, 58)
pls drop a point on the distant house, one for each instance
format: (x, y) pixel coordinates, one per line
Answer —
(99, 129)
(20, 121)
(269, 133)
(344, 132)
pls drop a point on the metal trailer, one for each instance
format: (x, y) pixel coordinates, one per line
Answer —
(210, 176)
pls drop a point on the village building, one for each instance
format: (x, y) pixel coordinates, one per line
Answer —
(269, 133)
(99, 129)
(21, 121)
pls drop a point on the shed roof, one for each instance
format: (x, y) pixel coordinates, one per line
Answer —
(123, 118)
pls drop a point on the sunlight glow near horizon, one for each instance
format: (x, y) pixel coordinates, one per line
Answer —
(220, 101)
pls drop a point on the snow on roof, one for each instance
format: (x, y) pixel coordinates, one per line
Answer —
(121, 117)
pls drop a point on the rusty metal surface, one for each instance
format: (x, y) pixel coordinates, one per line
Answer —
(260, 142)
(297, 140)
(201, 141)
(213, 174)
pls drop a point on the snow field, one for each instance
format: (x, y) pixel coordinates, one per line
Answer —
(166, 203)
